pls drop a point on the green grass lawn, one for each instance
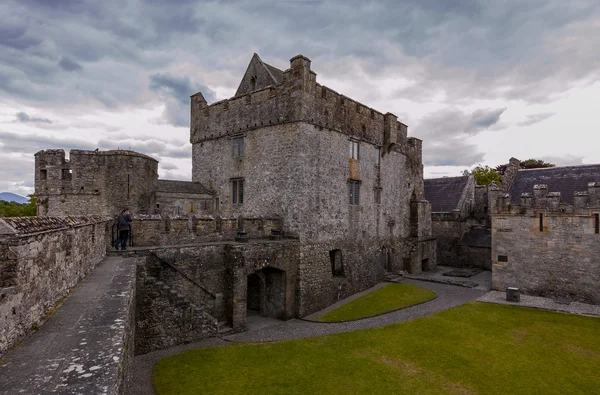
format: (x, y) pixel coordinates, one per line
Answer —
(477, 348)
(388, 298)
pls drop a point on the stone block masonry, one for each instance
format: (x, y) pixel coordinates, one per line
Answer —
(546, 247)
(41, 260)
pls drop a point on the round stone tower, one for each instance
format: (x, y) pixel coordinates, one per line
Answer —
(95, 182)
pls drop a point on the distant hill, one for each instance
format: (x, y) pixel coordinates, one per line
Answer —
(11, 197)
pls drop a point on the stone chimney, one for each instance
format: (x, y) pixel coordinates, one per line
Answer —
(510, 174)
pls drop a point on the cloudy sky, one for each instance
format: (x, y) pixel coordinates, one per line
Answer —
(478, 81)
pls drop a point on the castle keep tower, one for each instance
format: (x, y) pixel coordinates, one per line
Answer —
(345, 178)
(94, 182)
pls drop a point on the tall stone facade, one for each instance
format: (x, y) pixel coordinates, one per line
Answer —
(344, 178)
(547, 241)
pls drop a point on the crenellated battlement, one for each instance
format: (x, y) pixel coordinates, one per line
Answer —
(101, 182)
(542, 199)
(296, 98)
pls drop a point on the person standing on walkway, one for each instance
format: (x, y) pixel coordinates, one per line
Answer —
(123, 226)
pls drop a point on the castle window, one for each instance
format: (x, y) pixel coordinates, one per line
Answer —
(237, 191)
(67, 174)
(238, 146)
(191, 207)
(377, 197)
(597, 223)
(353, 149)
(337, 265)
(372, 114)
(541, 222)
(377, 155)
(253, 83)
(354, 192)
(43, 174)
(323, 92)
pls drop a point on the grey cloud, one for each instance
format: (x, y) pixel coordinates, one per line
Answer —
(168, 166)
(452, 123)
(464, 49)
(180, 88)
(26, 118)
(176, 92)
(535, 118)
(154, 147)
(453, 152)
(15, 36)
(563, 160)
(69, 64)
(446, 135)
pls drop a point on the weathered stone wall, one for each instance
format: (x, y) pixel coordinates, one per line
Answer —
(558, 260)
(94, 182)
(296, 166)
(183, 198)
(155, 230)
(41, 260)
(165, 318)
(213, 279)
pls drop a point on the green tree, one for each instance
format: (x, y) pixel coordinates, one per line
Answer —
(12, 209)
(484, 175)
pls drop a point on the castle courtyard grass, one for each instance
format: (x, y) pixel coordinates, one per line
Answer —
(389, 298)
(477, 348)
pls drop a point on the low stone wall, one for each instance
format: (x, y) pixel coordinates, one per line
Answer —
(41, 260)
(156, 230)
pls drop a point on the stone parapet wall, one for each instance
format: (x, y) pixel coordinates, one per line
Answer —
(155, 230)
(561, 260)
(297, 98)
(41, 260)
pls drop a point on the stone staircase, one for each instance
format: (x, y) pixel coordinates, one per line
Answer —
(176, 298)
(393, 277)
(225, 329)
(169, 318)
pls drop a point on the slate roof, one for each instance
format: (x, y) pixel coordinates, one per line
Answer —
(175, 186)
(28, 225)
(278, 74)
(444, 193)
(566, 180)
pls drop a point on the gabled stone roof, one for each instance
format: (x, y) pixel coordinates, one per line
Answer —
(175, 186)
(444, 193)
(28, 225)
(567, 180)
(263, 74)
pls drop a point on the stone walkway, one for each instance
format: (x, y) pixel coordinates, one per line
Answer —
(542, 303)
(448, 296)
(81, 349)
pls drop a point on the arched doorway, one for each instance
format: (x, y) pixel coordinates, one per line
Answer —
(266, 292)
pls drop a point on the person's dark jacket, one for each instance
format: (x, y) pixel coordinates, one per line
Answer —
(123, 221)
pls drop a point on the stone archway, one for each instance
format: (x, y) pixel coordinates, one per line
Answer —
(266, 291)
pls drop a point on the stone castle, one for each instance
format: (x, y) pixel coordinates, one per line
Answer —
(300, 197)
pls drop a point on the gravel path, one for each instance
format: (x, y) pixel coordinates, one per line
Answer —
(542, 303)
(448, 296)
